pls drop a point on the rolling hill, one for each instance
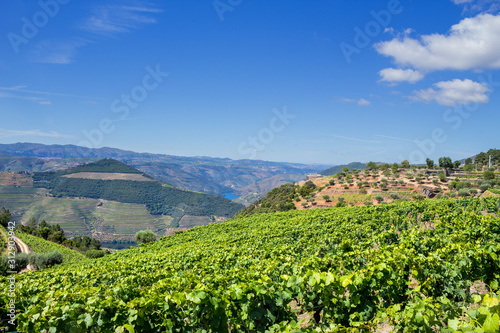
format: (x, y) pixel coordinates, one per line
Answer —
(414, 266)
(110, 200)
(201, 174)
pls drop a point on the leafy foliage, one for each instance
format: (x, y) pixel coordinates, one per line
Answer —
(483, 158)
(5, 216)
(410, 265)
(54, 233)
(39, 245)
(145, 236)
(279, 199)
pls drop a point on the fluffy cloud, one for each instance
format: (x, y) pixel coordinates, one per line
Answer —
(455, 92)
(473, 43)
(400, 75)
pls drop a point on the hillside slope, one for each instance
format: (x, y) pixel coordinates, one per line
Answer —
(159, 199)
(110, 200)
(352, 267)
(202, 174)
(40, 245)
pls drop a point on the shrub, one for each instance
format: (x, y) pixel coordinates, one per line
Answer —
(21, 261)
(484, 186)
(440, 196)
(461, 185)
(453, 195)
(379, 198)
(463, 192)
(442, 176)
(418, 179)
(145, 236)
(488, 175)
(394, 196)
(469, 167)
(304, 204)
(341, 204)
(473, 191)
(368, 203)
(341, 199)
(331, 182)
(43, 260)
(93, 254)
(435, 181)
(419, 197)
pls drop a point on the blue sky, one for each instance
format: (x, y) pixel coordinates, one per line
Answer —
(286, 80)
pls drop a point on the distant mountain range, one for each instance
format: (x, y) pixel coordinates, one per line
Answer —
(202, 174)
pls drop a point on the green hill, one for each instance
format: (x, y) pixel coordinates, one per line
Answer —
(338, 168)
(111, 207)
(40, 245)
(414, 266)
(159, 199)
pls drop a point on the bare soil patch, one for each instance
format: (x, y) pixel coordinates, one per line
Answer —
(109, 176)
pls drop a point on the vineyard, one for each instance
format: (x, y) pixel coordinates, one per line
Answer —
(40, 245)
(421, 266)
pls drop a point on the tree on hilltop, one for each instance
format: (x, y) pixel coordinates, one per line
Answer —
(145, 236)
(445, 162)
(5, 216)
(430, 163)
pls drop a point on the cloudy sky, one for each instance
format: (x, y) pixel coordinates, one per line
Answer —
(286, 80)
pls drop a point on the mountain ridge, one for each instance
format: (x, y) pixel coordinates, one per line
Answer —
(204, 174)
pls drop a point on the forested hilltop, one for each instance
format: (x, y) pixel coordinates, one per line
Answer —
(160, 199)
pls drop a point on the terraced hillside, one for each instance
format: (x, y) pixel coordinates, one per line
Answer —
(18, 199)
(387, 184)
(421, 266)
(109, 200)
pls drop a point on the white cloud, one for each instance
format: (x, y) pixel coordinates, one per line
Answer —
(55, 52)
(4, 133)
(478, 6)
(473, 43)
(22, 90)
(112, 19)
(360, 102)
(364, 102)
(400, 75)
(455, 92)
